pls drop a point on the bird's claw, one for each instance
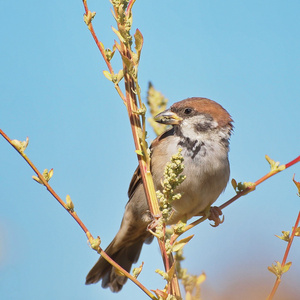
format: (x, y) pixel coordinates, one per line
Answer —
(155, 221)
(215, 213)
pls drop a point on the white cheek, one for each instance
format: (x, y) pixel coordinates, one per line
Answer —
(188, 130)
(173, 147)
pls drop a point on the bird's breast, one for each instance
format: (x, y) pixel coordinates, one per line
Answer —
(207, 172)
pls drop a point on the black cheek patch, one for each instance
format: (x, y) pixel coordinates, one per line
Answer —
(200, 127)
(205, 124)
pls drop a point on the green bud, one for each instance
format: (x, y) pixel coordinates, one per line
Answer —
(70, 204)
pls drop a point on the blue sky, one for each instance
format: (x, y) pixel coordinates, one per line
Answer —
(244, 55)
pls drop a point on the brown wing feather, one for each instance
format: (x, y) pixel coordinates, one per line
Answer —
(137, 178)
(135, 181)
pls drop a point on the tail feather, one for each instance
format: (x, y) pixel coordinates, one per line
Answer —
(125, 257)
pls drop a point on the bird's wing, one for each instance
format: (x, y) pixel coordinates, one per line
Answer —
(135, 181)
(137, 178)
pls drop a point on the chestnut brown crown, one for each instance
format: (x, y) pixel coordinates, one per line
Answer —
(196, 105)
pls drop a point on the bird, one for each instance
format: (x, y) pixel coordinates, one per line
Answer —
(202, 129)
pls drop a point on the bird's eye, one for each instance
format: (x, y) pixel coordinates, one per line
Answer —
(187, 111)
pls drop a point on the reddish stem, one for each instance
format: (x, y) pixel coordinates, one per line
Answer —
(256, 183)
(46, 184)
(77, 219)
(102, 50)
(288, 247)
(292, 162)
(291, 240)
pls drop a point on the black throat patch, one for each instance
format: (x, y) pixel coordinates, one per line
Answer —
(192, 147)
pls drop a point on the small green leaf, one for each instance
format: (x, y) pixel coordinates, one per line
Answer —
(135, 58)
(137, 271)
(113, 13)
(180, 244)
(139, 40)
(47, 175)
(297, 185)
(87, 18)
(179, 227)
(234, 183)
(128, 63)
(107, 75)
(120, 76)
(286, 267)
(138, 46)
(275, 167)
(201, 278)
(118, 34)
(139, 152)
(162, 273)
(109, 54)
(101, 45)
(70, 204)
(95, 243)
(20, 146)
(171, 272)
(285, 236)
(118, 46)
(37, 179)
(278, 269)
(241, 186)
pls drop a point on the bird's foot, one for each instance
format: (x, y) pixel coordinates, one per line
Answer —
(155, 222)
(155, 226)
(215, 213)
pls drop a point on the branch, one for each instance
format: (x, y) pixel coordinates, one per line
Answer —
(274, 170)
(95, 243)
(88, 20)
(130, 70)
(123, 16)
(251, 187)
(285, 266)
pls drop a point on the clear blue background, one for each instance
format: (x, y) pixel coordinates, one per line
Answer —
(243, 54)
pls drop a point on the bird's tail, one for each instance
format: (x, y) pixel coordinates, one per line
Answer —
(124, 256)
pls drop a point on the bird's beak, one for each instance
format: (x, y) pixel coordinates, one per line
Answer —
(168, 117)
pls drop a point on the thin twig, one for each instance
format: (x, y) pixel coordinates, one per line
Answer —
(278, 280)
(47, 185)
(102, 50)
(76, 218)
(258, 182)
(131, 103)
(237, 196)
(288, 247)
(131, 86)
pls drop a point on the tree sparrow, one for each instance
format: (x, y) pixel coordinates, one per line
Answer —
(202, 129)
